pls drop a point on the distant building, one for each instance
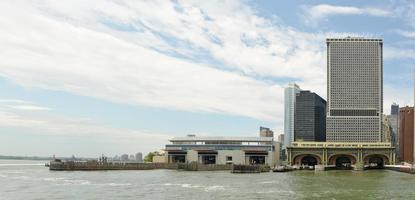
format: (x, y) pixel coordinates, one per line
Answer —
(406, 134)
(281, 138)
(265, 132)
(309, 117)
(283, 155)
(131, 157)
(386, 130)
(290, 93)
(139, 157)
(124, 157)
(354, 89)
(394, 125)
(394, 109)
(223, 150)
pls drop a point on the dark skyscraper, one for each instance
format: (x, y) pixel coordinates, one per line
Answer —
(309, 117)
(394, 109)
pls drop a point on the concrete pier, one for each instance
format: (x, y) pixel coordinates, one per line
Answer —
(401, 168)
(94, 166)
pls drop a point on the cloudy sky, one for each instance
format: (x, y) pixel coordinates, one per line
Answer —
(116, 76)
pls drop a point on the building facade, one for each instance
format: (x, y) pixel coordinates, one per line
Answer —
(354, 90)
(386, 130)
(354, 110)
(265, 132)
(309, 117)
(290, 93)
(394, 125)
(406, 134)
(223, 150)
(139, 157)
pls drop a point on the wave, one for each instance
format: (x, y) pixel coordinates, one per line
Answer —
(205, 188)
(116, 184)
(65, 181)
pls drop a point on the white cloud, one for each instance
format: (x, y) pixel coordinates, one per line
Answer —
(217, 56)
(408, 34)
(399, 53)
(17, 104)
(58, 126)
(321, 11)
(28, 107)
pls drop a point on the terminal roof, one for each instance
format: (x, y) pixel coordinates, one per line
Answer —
(234, 139)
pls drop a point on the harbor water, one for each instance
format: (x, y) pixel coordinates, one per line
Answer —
(31, 180)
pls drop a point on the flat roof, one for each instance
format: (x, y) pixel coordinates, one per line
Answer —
(353, 39)
(228, 139)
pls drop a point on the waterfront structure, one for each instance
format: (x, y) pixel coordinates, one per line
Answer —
(354, 109)
(309, 117)
(406, 134)
(223, 150)
(139, 157)
(265, 132)
(354, 89)
(358, 155)
(290, 93)
(159, 159)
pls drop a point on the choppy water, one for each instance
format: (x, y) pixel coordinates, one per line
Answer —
(31, 180)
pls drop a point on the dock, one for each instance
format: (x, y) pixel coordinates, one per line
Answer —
(401, 168)
(250, 168)
(93, 165)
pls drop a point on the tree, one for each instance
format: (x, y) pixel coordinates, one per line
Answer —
(149, 156)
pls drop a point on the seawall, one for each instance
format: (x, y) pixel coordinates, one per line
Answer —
(94, 165)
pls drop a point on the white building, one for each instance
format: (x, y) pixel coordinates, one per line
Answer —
(354, 90)
(223, 150)
(290, 93)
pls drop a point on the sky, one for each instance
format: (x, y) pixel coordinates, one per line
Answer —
(87, 78)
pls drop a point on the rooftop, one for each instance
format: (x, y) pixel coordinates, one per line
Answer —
(230, 139)
(353, 39)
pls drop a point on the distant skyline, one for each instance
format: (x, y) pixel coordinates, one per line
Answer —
(113, 77)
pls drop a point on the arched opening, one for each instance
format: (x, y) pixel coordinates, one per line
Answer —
(343, 162)
(309, 161)
(375, 162)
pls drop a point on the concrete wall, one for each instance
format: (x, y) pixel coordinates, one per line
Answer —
(192, 156)
(160, 159)
(276, 154)
(238, 157)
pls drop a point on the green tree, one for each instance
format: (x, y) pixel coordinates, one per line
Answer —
(149, 156)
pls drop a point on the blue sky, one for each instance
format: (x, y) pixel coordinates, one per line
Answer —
(113, 77)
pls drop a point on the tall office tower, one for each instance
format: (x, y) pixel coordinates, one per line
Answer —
(354, 89)
(290, 93)
(265, 132)
(309, 117)
(406, 134)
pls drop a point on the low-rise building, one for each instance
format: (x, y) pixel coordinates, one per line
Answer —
(223, 150)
